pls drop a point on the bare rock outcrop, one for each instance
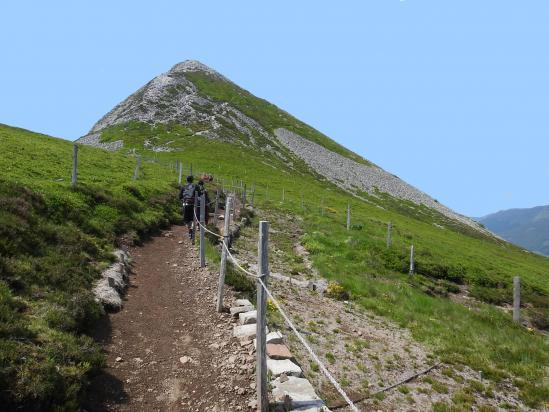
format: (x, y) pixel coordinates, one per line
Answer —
(171, 97)
(113, 282)
(350, 175)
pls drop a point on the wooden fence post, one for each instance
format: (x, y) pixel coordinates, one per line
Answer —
(223, 264)
(195, 220)
(202, 231)
(261, 338)
(412, 260)
(216, 209)
(516, 299)
(348, 216)
(137, 167)
(253, 194)
(389, 234)
(180, 173)
(74, 177)
(322, 206)
(283, 195)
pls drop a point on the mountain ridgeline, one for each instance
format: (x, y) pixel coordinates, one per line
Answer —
(528, 228)
(209, 105)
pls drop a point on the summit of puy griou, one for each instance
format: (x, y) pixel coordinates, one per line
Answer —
(232, 114)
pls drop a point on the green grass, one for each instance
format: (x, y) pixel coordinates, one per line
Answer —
(376, 277)
(54, 241)
(267, 114)
(68, 235)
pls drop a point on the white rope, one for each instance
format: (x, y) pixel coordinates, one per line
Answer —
(233, 259)
(287, 319)
(205, 228)
(313, 355)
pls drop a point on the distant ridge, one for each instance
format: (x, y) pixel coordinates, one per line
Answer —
(528, 228)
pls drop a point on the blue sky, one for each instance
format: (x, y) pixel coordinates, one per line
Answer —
(452, 96)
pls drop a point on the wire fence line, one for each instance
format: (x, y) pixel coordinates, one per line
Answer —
(278, 306)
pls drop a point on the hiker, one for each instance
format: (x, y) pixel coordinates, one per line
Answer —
(202, 190)
(186, 195)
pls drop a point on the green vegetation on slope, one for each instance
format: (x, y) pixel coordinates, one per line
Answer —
(54, 241)
(448, 257)
(265, 113)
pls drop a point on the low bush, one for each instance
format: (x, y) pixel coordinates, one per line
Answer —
(336, 291)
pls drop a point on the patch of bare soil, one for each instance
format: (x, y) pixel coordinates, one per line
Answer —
(168, 349)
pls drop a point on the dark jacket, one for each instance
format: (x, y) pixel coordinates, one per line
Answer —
(186, 194)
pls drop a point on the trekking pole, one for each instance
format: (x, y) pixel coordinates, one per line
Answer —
(202, 231)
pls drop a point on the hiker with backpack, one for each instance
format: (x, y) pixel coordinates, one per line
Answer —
(187, 195)
(202, 190)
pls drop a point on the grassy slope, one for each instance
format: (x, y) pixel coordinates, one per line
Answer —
(482, 337)
(54, 241)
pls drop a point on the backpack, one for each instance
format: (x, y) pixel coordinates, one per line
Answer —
(188, 193)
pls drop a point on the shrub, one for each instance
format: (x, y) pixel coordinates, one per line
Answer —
(539, 317)
(336, 291)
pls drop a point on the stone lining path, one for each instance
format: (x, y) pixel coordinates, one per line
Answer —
(290, 390)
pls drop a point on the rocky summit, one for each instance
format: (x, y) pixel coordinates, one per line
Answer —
(192, 94)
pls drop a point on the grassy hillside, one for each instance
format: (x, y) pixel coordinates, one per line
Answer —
(54, 241)
(450, 258)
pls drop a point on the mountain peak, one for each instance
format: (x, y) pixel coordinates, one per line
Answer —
(217, 109)
(187, 66)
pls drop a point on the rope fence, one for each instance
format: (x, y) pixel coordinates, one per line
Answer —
(261, 308)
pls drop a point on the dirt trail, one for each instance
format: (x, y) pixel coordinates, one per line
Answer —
(176, 351)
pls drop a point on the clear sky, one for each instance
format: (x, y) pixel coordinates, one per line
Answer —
(451, 96)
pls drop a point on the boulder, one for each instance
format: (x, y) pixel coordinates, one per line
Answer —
(113, 282)
(247, 318)
(278, 351)
(273, 337)
(107, 295)
(245, 332)
(243, 302)
(319, 285)
(298, 392)
(235, 310)
(286, 366)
